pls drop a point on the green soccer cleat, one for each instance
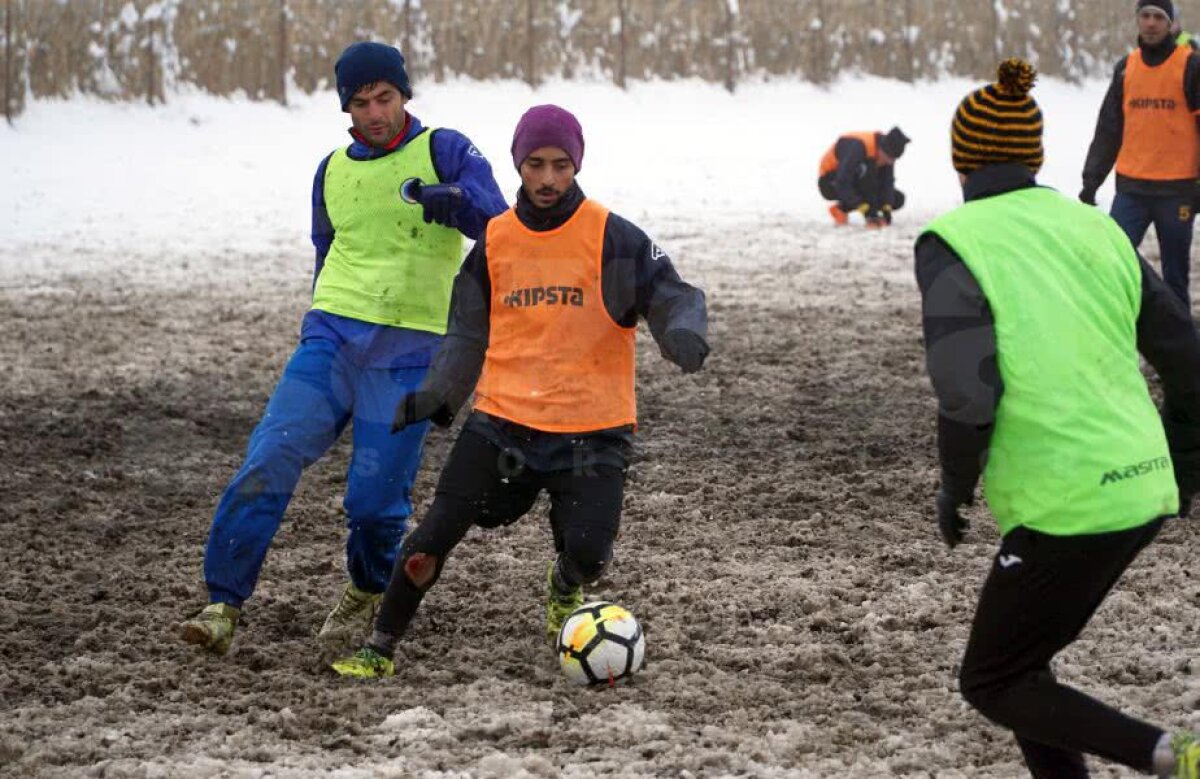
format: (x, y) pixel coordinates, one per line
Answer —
(366, 663)
(1186, 747)
(354, 613)
(559, 606)
(212, 628)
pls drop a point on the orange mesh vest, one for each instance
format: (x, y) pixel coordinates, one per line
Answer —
(829, 162)
(556, 361)
(1160, 139)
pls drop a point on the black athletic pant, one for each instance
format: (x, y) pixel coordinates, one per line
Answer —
(482, 484)
(867, 190)
(1041, 592)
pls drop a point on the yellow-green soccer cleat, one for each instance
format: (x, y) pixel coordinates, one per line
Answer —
(558, 605)
(212, 628)
(354, 613)
(1186, 747)
(366, 663)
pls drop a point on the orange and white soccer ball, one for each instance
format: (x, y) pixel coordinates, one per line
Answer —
(600, 643)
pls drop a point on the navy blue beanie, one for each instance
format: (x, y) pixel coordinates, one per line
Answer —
(367, 62)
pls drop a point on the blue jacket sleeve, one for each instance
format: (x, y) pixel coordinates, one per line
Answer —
(322, 229)
(458, 161)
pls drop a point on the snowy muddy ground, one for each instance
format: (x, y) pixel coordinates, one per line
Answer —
(802, 617)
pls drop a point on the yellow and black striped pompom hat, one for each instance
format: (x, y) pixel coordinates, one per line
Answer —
(999, 122)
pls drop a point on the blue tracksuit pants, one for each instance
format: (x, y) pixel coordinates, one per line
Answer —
(322, 389)
(1172, 219)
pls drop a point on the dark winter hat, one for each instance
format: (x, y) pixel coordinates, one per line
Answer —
(367, 62)
(1166, 6)
(548, 125)
(999, 122)
(894, 142)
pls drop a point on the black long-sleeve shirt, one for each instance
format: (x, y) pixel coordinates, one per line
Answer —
(960, 345)
(1110, 127)
(637, 280)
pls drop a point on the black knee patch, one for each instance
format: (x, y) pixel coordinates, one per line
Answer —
(582, 569)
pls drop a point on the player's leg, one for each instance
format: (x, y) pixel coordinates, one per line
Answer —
(1041, 592)
(378, 500)
(307, 411)
(477, 486)
(1173, 221)
(585, 517)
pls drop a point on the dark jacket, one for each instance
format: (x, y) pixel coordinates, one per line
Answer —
(1110, 129)
(853, 167)
(967, 379)
(637, 280)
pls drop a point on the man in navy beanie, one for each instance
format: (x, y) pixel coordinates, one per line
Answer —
(385, 267)
(542, 331)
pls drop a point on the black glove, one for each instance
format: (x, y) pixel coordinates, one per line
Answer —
(419, 406)
(1087, 195)
(685, 349)
(1187, 478)
(441, 203)
(950, 523)
(1185, 504)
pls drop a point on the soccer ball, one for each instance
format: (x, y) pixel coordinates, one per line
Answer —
(600, 643)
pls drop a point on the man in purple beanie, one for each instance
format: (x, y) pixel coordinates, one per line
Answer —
(542, 329)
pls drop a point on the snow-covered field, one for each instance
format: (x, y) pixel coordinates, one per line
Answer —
(174, 191)
(802, 617)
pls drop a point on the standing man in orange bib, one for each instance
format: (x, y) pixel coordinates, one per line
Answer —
(542, 326)
(1148, 129)
(859, 172)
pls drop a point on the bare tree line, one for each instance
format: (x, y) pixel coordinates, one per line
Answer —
(142, 49)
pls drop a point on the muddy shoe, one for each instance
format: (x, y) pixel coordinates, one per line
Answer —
(212, 628)
(1186, 747)
(366, 663)
(354, 613)
(559, 606)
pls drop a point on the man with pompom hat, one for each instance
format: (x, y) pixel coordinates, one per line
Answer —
(1147, 129)
(1035, 308)
(542, 332)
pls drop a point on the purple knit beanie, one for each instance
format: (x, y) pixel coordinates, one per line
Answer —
(548, 125)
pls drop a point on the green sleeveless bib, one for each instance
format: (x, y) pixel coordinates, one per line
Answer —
(1078, 447)
(386, 265)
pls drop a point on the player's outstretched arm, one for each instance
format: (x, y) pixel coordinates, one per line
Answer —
(640, 280)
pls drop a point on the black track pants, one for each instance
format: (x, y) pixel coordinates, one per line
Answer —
(485, 485)
(1041, 592)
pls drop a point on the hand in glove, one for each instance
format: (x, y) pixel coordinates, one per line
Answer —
(951, 524)
(419, 406)
(1087, 195)
(439, 201)
(685, 349)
